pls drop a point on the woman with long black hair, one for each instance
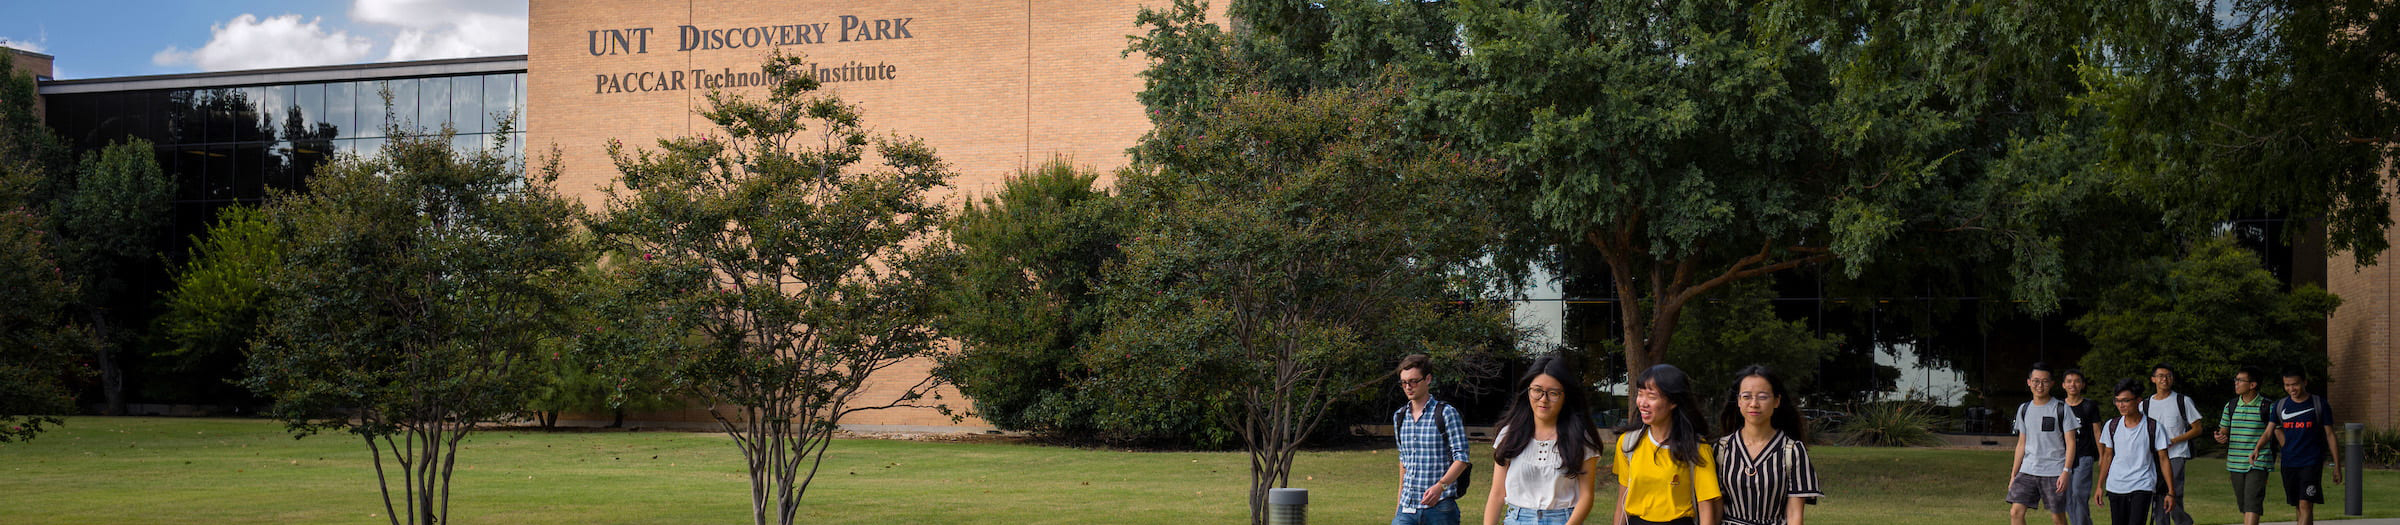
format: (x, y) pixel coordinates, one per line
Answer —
(1548, 453)
(1763, 460)
(1666, 472)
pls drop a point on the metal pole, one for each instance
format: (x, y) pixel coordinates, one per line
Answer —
(1287, 506)
(2354, 469)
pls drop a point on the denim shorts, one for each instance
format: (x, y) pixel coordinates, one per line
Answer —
(1524, 516)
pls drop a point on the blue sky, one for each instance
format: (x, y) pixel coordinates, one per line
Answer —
(110, 38)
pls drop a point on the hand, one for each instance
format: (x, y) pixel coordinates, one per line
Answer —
(2170, 506)
(1433, 495)
(2220, 436)
(2062, 480)
(2097, 502)
(2337, 473)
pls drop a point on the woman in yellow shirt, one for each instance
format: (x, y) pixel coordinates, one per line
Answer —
(1665, 472)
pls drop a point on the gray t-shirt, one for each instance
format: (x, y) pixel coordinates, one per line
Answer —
(2045, 429)
(2175, 415)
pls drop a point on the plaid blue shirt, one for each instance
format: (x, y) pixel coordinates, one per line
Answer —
(1421, 449)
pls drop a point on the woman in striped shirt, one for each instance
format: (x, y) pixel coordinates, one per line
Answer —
(1763, 465)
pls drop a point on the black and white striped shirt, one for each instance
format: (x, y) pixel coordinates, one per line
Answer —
(1755, 488)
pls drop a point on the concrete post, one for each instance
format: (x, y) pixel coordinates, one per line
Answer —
(2354, 469)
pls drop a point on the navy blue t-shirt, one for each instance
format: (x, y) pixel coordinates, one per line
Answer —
(2304, 426)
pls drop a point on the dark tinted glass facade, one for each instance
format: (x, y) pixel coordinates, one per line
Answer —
(228, 145)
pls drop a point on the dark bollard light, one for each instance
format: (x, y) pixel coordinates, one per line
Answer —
(2354, 469)
(1287, 506)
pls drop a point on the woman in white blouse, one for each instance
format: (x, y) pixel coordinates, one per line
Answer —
(1548, 452)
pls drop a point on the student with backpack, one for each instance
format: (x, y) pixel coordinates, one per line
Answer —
(1433, 450)
(2180, 419)
(2045, 442)
(1762, 461)
(2133, 454)
(1547, 455)
(2243, 428)
(1666, 472)
(2303, 423)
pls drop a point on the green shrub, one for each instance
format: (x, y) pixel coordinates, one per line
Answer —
(1892, 424)
(2381, 446)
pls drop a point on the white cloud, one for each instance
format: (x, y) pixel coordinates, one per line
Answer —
(430, 29)
(248, 42)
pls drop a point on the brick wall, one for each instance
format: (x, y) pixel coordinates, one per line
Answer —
(993, 86)
(2359, 340)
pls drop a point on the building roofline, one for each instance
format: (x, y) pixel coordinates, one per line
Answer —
(24, 52)
(288, 75)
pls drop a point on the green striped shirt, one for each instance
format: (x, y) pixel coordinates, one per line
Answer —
(2246, 424)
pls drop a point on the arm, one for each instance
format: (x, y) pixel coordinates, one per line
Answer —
(1586, 489)
(1624, 491)
(1495, 501)
(2333, 449)
(2170, 491)
(2194, 429)
(2107, 454)
(2064, 476)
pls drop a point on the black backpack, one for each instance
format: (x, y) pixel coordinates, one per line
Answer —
(1441, 427)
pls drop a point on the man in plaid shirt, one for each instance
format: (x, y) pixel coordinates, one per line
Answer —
(1433, 450)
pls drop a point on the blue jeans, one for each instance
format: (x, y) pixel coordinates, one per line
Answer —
(1444, 513)
(1518, 516)
(2079, 492)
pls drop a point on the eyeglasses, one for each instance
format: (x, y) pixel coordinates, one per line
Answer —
(2126, 401)
(1416, 382)
(1757, 396)
(1546, 393)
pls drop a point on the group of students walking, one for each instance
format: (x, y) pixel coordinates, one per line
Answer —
(1670, 470)
(2137, 458)
(1547, 455)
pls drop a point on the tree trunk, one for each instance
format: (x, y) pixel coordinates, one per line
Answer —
(619, 421)
(112, 378)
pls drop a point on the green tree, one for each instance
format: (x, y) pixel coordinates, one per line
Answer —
(1698, 143)
(219, 299)
(109, 224)
(1741, 329)
(1291, 247)
(2280, 106)
(799, 270)
(1023, 304)
(2209, 312)
(415, 289)
(38, 341)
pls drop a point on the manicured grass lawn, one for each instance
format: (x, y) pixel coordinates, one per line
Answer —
(171, 470)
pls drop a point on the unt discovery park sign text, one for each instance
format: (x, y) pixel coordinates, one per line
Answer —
(640, 40)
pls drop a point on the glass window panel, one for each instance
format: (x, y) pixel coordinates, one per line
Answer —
(341, 109)
(370, 108)
(172, 161)
(433, 103)
(499, 101)
(280, 167)
(219, 180)
(244, 107)
(249, 171)
(154, 118)
(404, 106)
(186, 121)
(274, 104)
(368, 148)
(220, 115)
(518, 79)
(466, 104)
(309, 101)
(306, 158)
(467, 144)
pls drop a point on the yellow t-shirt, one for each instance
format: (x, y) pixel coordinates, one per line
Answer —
(1658, 487)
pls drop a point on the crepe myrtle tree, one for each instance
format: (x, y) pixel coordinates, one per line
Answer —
(773, 269)
(415, 288)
